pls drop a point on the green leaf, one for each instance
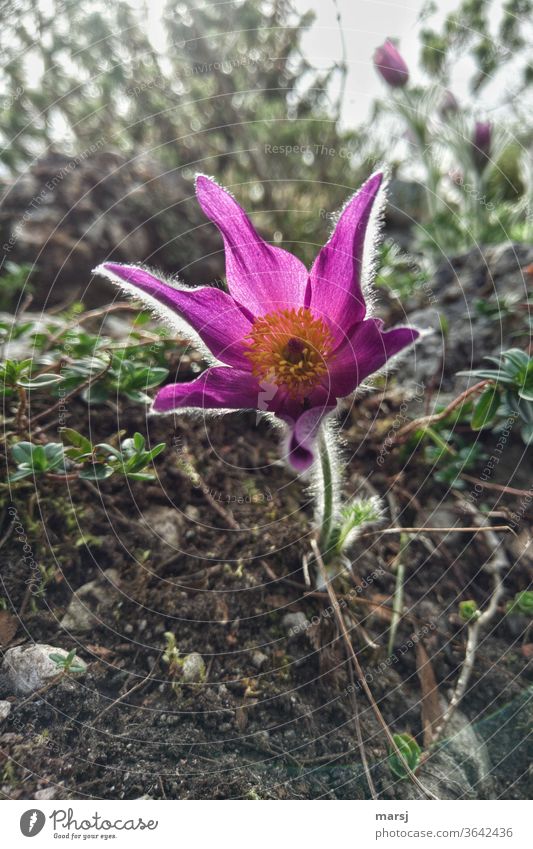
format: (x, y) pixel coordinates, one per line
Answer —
(469, 611)
(105, 448)
(39, 381)
(409, 749)
(139, 441)
(55, 454)
(22, 452)
(98, 393)
(140, 476)
(97, 472)
(522, 603)
(154, 376)
(38, 458)
(156, 450)
(19, 474)
(77, 439)
(486, 408)
(138, 396)
(526, 393)
(518, 358)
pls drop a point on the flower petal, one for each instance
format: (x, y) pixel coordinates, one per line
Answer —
(336, 290)
(217, 388)
(301, 446)
(261, 277)
(212, 314)
(365, 351)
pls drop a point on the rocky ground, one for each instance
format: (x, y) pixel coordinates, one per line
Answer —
(259, 701)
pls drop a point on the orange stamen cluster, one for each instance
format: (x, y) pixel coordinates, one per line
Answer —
(290, 349)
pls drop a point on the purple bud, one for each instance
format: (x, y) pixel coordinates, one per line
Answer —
(481, 144)
(449, 105)
(390, 64)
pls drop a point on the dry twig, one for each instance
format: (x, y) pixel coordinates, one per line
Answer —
(427, 421)
(495, 567)
(360, 675)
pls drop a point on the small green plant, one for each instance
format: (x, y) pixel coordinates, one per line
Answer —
(353, 517)
(469, 611)
(496, 308)
(410, 751)
(67, 663)
(124, 376)
(80, 459)
(522, 603)
(450, 455)
(17, 374)
(32, 459)
(399, 272)
(510, 393)
(171, 655)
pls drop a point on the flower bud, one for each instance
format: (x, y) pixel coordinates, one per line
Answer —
(390, 64)
(448, 105)
(481, 144)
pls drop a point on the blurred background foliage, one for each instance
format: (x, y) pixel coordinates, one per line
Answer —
(230, 83)
(102, 133)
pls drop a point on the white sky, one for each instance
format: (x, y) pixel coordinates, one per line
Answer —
(366, 24)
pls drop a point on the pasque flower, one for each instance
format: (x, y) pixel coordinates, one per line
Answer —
(448, 105)
(284, 341)
(391, 65)
(481, 144)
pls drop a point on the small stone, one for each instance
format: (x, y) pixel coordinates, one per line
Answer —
(165, 524)
(259, 659)
(90, 602)
(46, 794)
(193, 670)
(5, 710)
(295, 623)
(26, 669)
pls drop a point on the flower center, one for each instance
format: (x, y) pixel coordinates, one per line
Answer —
(290, 348)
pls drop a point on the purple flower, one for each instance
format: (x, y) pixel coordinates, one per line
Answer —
(481, 144)
(391, 65)
(284, 341)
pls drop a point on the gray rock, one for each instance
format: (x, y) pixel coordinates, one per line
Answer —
(192, 513)
(193, 670)
(259, 659)
(165, 524)
(67, 244)
(46, 794)
(26, 669)
(459, 768)
(295, 623)
(453, 305)
(5, 710)
(90, 602)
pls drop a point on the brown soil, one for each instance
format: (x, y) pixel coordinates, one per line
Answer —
(278, 727)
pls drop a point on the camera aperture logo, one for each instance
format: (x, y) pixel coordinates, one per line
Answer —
(66, 825)
(32, 822)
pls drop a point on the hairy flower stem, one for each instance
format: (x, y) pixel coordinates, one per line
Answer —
(329, 484)
(418, 129)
